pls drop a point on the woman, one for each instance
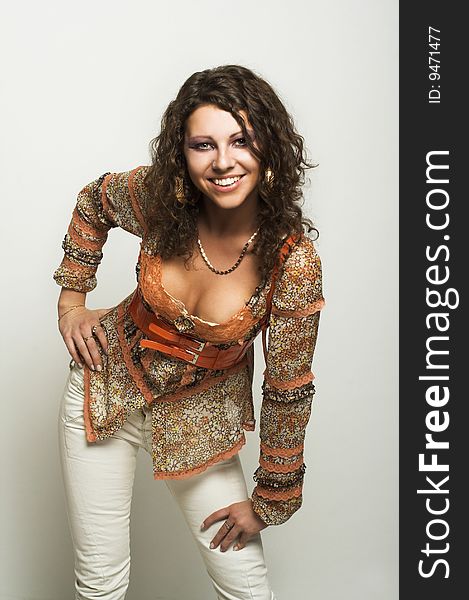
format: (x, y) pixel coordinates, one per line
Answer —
(223, 254)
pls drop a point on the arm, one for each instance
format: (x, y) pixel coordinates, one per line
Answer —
(288, 386)
(112, 200)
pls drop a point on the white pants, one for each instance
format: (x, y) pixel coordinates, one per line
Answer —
(98, 479)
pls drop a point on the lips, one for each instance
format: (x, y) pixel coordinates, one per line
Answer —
(226, 186)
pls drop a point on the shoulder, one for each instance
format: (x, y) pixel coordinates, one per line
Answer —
(300, 280)
(125, 194)
(127, 182)
(303, 257)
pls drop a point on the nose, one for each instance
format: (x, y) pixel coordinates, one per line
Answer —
(223, 160)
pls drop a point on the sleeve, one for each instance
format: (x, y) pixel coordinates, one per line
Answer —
(112, 200)
(288, 387)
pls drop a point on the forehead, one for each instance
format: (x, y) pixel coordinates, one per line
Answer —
(209, 119)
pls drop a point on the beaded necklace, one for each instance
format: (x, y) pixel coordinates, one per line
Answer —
(240, 258)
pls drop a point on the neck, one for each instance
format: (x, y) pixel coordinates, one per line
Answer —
(227, 222)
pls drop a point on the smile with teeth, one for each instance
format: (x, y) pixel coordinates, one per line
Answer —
(227, 181)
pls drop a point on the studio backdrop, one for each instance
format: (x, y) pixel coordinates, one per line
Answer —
(84, 86)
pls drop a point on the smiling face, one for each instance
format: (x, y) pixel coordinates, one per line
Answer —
(218, 159)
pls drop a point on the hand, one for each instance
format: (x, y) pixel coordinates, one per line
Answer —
(241, 520)
(76, 328)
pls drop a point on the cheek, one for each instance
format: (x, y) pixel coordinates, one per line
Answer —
(196, 165)
(251, 163)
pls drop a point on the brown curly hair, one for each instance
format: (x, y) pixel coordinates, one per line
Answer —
(232, 88)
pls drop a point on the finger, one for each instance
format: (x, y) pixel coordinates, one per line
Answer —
(100, 334)
(69, 343)
(230, 538)
(92, 346)
(218, 515)
(83, 350)
(241, 543)
(221, 533)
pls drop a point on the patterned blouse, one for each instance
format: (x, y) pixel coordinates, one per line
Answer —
(198, 415)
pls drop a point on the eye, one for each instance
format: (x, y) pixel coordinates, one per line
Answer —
(201, 146)
(241, 142)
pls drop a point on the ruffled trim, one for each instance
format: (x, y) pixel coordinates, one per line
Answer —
(85, 229)
(288, 385)
(279, 495)
(288, 396)
(93, 245)
(82, 255)
(196, 470)
(275, 512)
(312, 308)
(277, 468)
(281, 451)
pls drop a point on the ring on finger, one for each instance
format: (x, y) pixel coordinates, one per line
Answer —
(228, 525)
(85, 339)
(94, 328)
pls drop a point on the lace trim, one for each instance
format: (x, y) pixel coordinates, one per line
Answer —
(312, 308)
(76, 236)
(276, 468)
(237, 326)
(196, 470)
(288, 385)
(85, 230)
(270, 451)
(278, 495)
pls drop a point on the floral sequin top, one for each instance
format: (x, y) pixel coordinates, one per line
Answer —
(198, 415)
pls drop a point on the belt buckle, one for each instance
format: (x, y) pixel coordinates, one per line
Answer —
(194, 359)
(196, 352)
(201, 346)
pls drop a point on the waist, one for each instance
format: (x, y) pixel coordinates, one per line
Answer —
(164, 337)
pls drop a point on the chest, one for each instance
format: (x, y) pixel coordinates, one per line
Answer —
(193, 289)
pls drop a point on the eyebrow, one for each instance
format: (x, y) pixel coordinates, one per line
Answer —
(197, 138)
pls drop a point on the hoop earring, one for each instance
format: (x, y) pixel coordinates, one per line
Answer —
(269, 177)
(180, 196)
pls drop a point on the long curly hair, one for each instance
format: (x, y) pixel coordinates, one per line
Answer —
(232, 88)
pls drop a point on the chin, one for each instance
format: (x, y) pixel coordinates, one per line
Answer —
(227, 203)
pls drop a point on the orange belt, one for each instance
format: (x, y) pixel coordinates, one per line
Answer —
(167, 339)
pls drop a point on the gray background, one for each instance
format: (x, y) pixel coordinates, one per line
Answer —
(85, 85)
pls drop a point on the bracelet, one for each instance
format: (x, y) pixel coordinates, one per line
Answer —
(69, 310)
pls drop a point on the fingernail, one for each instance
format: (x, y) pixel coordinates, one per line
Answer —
(80, 365)
(212, 545)
(202, 526)
(92, 367)
(98, 367)
(235, 547)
